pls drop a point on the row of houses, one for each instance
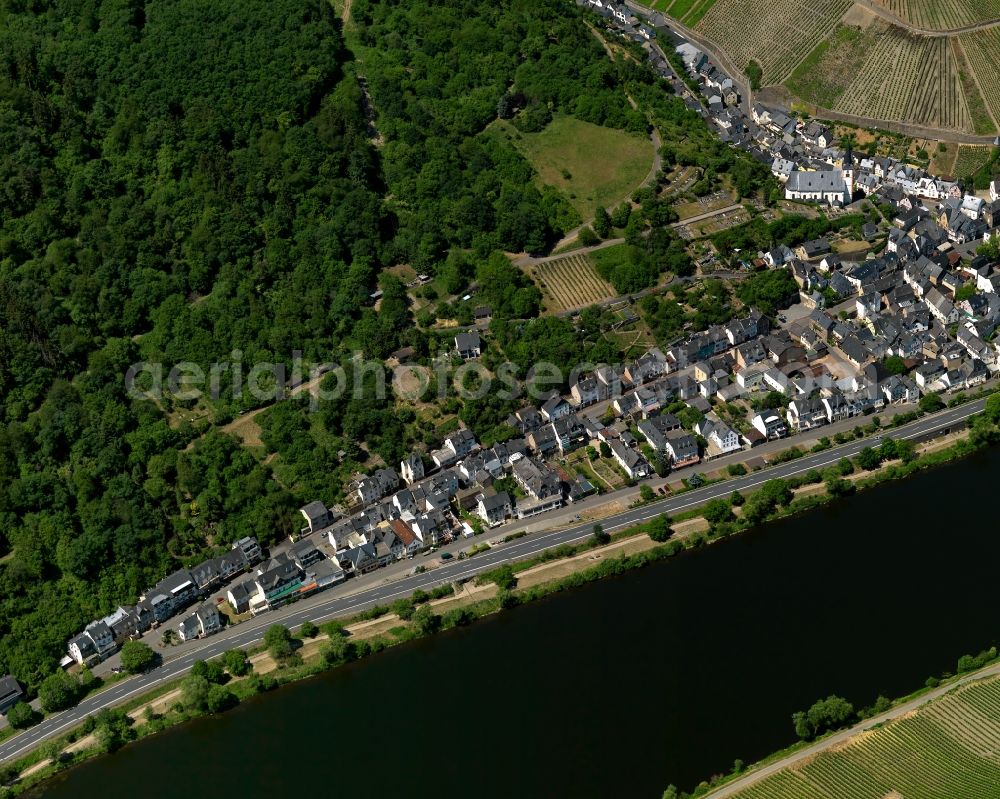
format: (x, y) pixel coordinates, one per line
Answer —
(169, 596)
(286, 577)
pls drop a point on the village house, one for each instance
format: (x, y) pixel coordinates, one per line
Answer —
(495, 508)
(468, 345)
(204, 621)
(682, 449)
(412, 469)
(633, 464)
(10, 693)
(770, 424)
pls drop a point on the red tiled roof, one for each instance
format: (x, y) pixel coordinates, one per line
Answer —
(403, 531)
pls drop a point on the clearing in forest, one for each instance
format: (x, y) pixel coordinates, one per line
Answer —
(949, 747)
(570, 282)
(592, 165)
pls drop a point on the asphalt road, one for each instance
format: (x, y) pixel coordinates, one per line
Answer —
(337, 602)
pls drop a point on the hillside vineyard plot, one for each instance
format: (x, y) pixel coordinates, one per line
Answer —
(982, 49)
(778, 34)
(571, 282)
(949, 748)
(908, 79)
(943, 14)
(971, 159)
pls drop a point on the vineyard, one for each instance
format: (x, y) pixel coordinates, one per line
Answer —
(949, 748)
(970, 160)
(904, 78)
(943, 14)
(982, 50)
(570, 282)
(687, 11)
(776, 34)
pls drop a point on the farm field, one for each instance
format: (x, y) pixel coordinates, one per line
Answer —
(570, 282)
(563, 156)
(983, 121)
(982, 51)
(948, 748)
(776, 34)
(943, 14)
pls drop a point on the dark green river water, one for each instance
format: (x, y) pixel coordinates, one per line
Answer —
(621, 687)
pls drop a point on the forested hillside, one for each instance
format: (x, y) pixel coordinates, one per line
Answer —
(179, 179)
(208, 182)
(439, 74)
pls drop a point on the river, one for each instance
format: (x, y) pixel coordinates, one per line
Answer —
(621, 687)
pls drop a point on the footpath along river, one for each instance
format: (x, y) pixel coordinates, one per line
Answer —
(665, 675)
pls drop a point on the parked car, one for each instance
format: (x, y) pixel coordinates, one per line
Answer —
(446, 556)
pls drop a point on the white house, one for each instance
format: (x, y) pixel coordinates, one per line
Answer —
(635, 466)
(495, 509)
(770, 424)
(468, 345)
(722, 439)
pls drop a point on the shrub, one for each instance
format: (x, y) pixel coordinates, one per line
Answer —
(403, 608)
(308, 630)
(22, 715)
(137, 657)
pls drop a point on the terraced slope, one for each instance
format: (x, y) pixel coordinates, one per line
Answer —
(776, 34)
(943, 14)
(851, 56)
(949, 748)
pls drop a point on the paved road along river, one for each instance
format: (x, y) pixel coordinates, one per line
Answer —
(333, 604)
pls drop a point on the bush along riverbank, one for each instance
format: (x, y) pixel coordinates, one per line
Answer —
(218, 685)
(828, 716)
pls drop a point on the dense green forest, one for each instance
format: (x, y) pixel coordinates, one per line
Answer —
(439, 74)
(180, 179)
(188, 181)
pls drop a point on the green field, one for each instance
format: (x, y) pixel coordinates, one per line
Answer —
(592, 165)
(948, 748)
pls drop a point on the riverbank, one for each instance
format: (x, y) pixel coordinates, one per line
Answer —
(766, 774)
(553, 571)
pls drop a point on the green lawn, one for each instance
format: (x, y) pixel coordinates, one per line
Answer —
(592, 165)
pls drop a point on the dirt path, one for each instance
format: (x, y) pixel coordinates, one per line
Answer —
(889, 16)
(527, 260)
(842, 737)
(247, 430)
